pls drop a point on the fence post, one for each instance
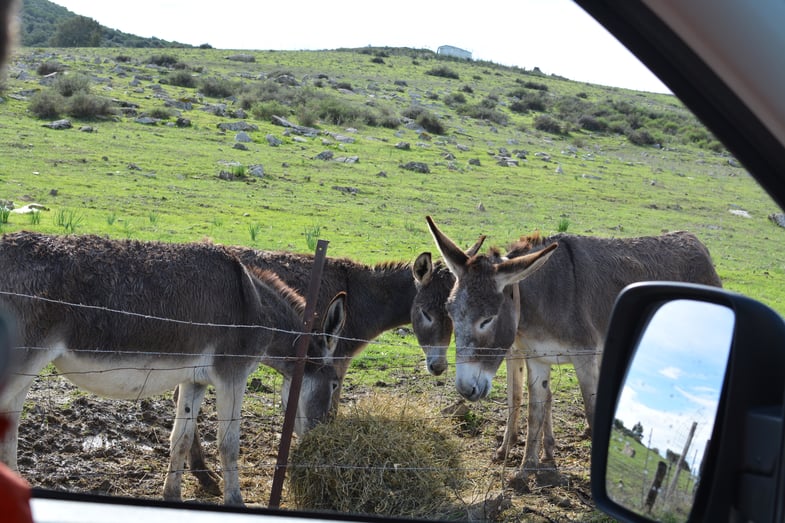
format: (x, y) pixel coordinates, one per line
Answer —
(656, 485)
(297, 378)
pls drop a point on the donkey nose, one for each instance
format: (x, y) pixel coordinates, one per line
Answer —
(437, 367)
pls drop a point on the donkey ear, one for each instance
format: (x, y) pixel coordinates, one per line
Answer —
(422, 269)
(516, 269)
(453, 256)
(335, 319)
(474, 249)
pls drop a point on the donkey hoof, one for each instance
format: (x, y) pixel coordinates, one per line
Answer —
(548, 478)
(209, 482)
(520, 483)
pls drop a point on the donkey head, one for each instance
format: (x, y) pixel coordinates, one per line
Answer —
(430, 321)
(484, 310)
(320, 379)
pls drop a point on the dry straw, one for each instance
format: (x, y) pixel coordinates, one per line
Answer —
(384, 456)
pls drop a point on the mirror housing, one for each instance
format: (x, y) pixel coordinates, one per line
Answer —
(744, 471)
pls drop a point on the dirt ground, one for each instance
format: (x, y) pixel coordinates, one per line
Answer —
(70, 440)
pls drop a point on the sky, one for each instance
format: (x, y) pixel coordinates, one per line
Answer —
(676, 376)
(554, 35)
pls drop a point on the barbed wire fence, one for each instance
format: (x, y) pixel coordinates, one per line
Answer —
(73, 440)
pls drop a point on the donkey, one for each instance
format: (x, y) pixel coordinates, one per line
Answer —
(379, 298)
(552, 306)
(129, 319)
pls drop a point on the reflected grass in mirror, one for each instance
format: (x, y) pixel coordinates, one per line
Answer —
(666, 409)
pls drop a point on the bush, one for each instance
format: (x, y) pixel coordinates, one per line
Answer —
(431, 123)
(49, 67)
(592, 124)
(181, 79)
(70, 84)
(266, 110)
(219, 87)
(547, 124)
(88, 106)
(481, 112)
(47, 104)
(454, 99)
(641, 137)
(444, 72)
(161, 113)
(162, 60)
(529, 102)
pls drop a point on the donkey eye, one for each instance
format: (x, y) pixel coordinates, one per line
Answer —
(426, 316)
(487, 321)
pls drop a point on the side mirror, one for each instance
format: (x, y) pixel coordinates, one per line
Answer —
(690, 407)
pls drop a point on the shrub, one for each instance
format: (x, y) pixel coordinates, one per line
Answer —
(592, 124)
(641, 137)
(47, 104)
(454, 99)
(481, 112)
(430, 122)
(530, 102)
(181, 79)
(535, 86)
(266, 110)
(49, 67)
(161, 113)
(122, 59)
(219, 87)
(70, 84)
(547, 124)
(88, 106)
(162, 60)
(377, 60)
(467, 89)
(444, 72)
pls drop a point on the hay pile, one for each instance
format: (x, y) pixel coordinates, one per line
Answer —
(383, 456)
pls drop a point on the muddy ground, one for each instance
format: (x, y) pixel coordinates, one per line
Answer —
(70, 440)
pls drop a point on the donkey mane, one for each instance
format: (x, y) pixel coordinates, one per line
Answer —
(526, 244)
(272, 281)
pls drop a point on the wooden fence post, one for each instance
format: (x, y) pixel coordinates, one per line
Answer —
(311, 298)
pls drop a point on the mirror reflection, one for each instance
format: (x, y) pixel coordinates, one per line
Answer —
(666, 409)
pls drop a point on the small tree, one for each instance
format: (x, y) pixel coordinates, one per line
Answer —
(637, 431)
(78, 31)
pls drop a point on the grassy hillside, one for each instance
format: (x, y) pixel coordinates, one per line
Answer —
(161, 181)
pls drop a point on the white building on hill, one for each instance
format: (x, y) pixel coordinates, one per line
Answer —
(457, 52)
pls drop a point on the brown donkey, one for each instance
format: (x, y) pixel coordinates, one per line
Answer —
(378, 297)
(129, 319)
(560, 315)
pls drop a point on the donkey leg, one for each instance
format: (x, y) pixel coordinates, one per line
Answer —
(208, 480)
(547, 473)
(537, 376)
(11, 408)
(515, 368)
(189, 401)
(229, 401)
(587, 370)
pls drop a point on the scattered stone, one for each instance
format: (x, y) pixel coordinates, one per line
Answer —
(241, 58)
(474, 161)
(418, 167)
(348, 190)
(739, 212)
(87, 129)
(182, 122)
(240, 146)
(256, 170)
(273, 140)
(480, 207)
(299, 129)
(324, 155)
(347, 159)
(146, 120)
(242, 137)
(403, 146)
(237, 126)
(59, 124)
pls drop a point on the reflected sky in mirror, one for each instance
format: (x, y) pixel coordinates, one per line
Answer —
(676, 376)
